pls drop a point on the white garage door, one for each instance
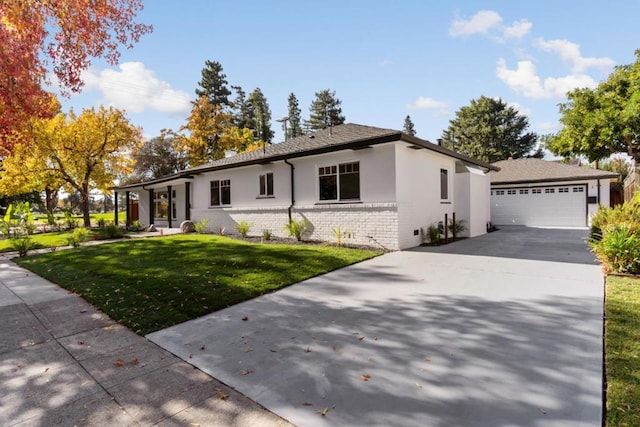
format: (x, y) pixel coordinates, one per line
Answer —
(562, 206)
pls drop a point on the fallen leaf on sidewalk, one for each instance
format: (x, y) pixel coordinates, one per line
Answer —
(247, 349)
(542, 410)
(118, 363)
(245, 318)
(324, 411)
(203, 347)
(307, 350)
(222, 395)
(365, 377)
(134, 361)
(307, 404)
(360, 339)
(246, 372)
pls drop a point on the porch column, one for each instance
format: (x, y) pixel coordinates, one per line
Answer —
(127, 216)
(187, 203)
(151, 205)
(115, 206)
(169, 199)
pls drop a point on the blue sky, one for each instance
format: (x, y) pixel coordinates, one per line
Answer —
(383, 59)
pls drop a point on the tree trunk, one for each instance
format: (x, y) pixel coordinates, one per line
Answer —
(51, 199)
(84, 204)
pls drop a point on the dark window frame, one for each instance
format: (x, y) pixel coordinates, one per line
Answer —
(444, 184)
(265, 183)
(220, 192)
(339, 182)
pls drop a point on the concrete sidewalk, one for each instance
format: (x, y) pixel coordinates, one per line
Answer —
(63, 362)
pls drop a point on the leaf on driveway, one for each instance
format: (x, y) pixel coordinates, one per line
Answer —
(245, 318)
(418, 385)
(365, 377)
(222, 395)
(543, 411)
(203, 347)
(324, 411)
(273, 351)
(134, 361)
(307, 350)
(427, 359)
(246, 372)
(360, 339)
(118, 363)
(247, 349)
(307, 404)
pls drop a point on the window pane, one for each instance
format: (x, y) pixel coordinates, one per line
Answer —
(328, 188)
(225, 192)
(444, 184)
(262, 185)
(269, 184)
(349, 186)
(215, 193)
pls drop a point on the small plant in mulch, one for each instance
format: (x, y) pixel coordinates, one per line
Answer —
(297, 229)
(243, 228)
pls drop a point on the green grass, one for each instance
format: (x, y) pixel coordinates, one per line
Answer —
(42, 240)
(622, 349)
(150, 284)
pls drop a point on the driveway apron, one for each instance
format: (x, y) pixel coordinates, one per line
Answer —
(500, 330)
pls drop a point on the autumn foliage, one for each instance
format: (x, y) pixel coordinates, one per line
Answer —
(59, 35)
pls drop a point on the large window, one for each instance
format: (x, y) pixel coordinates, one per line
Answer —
(221, 192)
(266, 184)
(161, 204)
(341, 182)
(444, 184)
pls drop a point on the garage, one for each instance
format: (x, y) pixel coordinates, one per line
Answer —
(540, 206)
(541, 193)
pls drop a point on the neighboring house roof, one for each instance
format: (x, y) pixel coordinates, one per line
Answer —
(535, 170)
(342, 137)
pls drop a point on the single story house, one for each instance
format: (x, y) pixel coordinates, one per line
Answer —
(536, 192)
(379, 186)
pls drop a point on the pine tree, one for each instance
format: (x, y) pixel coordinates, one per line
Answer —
(408, 127)
(324, 111)
(262, 113)
(490, 130)
(243, 112)
(294, 117)
(213, 85)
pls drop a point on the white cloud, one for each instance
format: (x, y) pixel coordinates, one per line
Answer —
(519, 108)
(548, 127)
(570, 52)
(489, 23)
(426, 103)
(518, 29)
(385, 62)
(524, 80)
(480, 23)
(135, 88)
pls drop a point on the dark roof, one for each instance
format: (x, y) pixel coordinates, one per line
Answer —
(535, 170)
(342, 137)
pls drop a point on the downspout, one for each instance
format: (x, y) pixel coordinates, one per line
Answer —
(293, 200)
(598, 191)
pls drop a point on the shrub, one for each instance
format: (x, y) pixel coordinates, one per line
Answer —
(457, 227)
(78, 236)
(339, 235)
(69, 221)
(136, 226)
(110, 231)
(619, 248)
(243, 228)
(201, 226)
(297, 229)
(266, 234)
(22, 244)
(102, 223)
(220, 230)
(433, 234)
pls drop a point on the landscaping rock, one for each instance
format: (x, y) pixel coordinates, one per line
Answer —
(187, 227)
(152, 228)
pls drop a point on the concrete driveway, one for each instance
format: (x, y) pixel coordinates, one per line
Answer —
(501, 330)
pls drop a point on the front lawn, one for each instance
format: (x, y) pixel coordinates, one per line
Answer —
(622, 349)
(42, 240)
(150, 284)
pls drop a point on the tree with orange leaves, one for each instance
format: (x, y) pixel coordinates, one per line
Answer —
(61, 35)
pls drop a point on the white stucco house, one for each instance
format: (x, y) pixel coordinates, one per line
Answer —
(536, 192)
(381, 186)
